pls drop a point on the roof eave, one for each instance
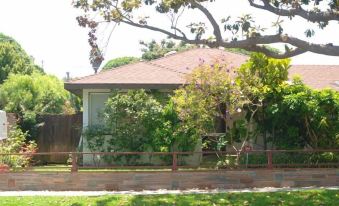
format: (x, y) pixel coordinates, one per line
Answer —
(76, 87)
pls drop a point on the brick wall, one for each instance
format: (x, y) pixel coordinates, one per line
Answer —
(88, 181)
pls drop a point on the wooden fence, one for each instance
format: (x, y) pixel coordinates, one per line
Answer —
(58, 133)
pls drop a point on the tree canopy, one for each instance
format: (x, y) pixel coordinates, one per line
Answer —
(154, 50)
(13, 59)
(150, 51)
(229, 32)
(38, 93)
(120, 61)
(34, 94)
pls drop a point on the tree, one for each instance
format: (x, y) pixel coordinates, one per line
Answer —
(242, 32)
(117, 62)
(154, 50)
(30, 95)
(13, 59)
(262, 76)
(150, 51)
(212, 93)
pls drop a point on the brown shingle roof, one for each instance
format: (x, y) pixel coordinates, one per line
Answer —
(169, 72)
(166, 72)
(317, 76)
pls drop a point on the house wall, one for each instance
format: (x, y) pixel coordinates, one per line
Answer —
(88, 117)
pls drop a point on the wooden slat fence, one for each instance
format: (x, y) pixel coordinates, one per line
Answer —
(58, 133)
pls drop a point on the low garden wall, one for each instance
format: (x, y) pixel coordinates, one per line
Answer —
(119, 181)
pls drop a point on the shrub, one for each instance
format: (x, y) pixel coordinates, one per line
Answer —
(16, 143)
(30, 95)
(138, 121)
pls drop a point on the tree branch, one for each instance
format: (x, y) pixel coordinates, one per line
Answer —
(270, 53)
(251, 44)
(308, 15)
(170, 34)
(305, 46)
(216, 28)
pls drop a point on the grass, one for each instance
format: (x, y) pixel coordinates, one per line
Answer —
(298, 198)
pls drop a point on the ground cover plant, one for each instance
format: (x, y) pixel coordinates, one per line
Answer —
(307, 198)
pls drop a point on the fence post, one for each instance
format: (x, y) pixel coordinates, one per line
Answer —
(269, 159)
(174, 161)
(74, 162)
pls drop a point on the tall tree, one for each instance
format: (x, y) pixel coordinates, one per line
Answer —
(30, 95)
(13, 59)
(242, 32)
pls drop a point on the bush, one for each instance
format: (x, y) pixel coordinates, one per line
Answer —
(16, 143)
(30, 95)
(138, 121)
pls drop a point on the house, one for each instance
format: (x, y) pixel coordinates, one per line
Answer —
(168, 73)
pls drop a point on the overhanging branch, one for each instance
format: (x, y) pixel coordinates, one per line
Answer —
(308, 15)
(252, 43)
(215, 25)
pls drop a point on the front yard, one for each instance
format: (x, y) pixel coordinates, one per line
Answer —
(307, 198)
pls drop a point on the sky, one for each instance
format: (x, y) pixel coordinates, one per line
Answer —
(48, 31)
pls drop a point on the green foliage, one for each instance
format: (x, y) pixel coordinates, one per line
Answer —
(36, 92)
(262, 74)
(131, 117)
(170, 135)
(155, 50)
(211, 93)
(30, 95)
(240, 51)
(293, 115)
(95, 136)
(152, 50)
(16, 143)
(14, 60)
(302, 117)
(309, 159)
(117, 62)
(136, 121)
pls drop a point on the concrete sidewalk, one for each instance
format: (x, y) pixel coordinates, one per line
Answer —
(155, 192)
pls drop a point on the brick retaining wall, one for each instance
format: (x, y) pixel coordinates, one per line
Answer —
(119, 181)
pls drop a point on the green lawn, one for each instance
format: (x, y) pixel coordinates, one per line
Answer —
(307, 198)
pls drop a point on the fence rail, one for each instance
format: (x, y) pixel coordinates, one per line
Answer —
(243, 159)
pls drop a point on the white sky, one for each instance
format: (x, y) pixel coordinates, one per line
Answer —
(48, 31)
